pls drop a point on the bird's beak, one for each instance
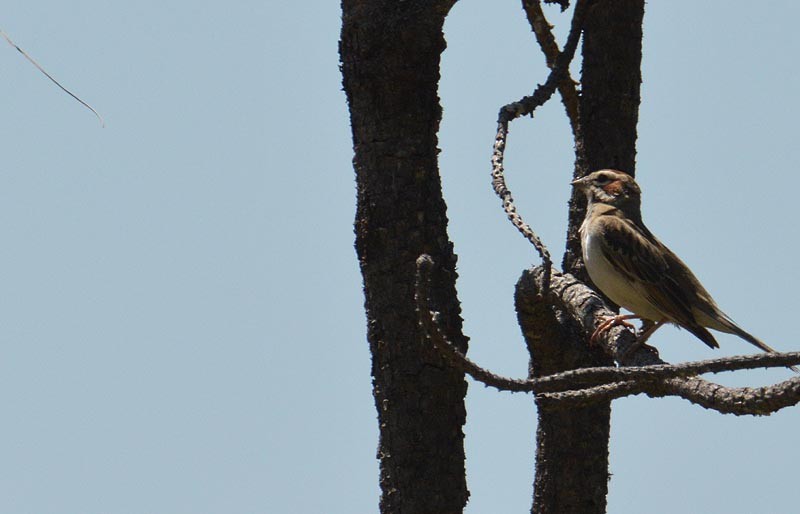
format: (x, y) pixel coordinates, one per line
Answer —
(579, 183)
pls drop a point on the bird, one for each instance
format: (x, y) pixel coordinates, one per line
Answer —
(635, 270)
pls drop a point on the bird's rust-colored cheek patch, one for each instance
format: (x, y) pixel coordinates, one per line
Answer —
(614, 188)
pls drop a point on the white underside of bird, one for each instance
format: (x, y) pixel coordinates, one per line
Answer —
(613, 283)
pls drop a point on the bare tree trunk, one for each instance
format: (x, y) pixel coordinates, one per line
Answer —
(390, 53)
(611, 77)
(572, 444)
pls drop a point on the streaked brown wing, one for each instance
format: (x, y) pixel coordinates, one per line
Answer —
(651, 267)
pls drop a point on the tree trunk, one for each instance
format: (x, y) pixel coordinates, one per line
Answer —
(390, 53)
(611, 77)
(572, 444)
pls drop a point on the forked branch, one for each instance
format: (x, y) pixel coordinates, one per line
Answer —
(547, 42)
(524, 107)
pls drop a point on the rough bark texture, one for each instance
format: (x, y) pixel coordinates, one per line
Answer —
(572, 444)
(390, 53)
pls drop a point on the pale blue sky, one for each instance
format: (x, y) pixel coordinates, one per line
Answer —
(181, 321)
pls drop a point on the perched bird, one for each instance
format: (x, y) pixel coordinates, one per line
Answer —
(635, 270)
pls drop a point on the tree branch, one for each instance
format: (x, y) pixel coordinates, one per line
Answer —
(524, 107)
(448, 351)
(547, 42)
(586, 386)
(586, 308)
(757, 401)
(54, 81)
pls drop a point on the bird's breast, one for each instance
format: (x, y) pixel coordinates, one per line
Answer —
(611, 281)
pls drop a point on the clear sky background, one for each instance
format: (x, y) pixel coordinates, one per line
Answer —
(181, 320)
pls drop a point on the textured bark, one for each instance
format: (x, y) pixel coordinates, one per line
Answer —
(572, 444)
(609, 109)
(390, 53)
(582, 307)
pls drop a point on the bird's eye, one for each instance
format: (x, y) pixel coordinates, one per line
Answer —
(603, 179)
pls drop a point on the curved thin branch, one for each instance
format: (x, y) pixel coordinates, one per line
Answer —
(447, 349)
(585, 379)
(547, 42)
(756, 401)
(524, 107)
(54, 81)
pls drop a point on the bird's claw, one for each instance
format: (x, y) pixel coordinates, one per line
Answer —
(608, 323)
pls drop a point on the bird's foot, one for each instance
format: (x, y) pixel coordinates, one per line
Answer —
(608, 323)
(644, 333)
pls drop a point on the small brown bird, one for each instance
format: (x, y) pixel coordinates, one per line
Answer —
(636, 271)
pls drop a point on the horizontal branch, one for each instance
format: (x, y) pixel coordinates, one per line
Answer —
(588, 385)
(588, 309)
(740, 401)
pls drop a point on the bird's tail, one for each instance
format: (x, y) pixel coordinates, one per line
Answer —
(702, 334)
(732, 328)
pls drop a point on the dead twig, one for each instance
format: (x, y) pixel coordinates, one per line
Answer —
(38, 67)
(524, 107)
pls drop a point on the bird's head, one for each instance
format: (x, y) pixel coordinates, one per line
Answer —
(610, 187)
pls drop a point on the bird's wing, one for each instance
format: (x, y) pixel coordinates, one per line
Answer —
(631, 251)
(656, 272)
